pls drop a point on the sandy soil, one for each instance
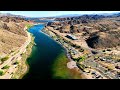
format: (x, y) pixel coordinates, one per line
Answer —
(13, 68)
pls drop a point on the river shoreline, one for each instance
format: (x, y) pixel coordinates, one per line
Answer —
(59, 62)
(29, 53)
(26, 62)
(67, 55)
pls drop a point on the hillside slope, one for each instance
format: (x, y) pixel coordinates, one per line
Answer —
(12, 34)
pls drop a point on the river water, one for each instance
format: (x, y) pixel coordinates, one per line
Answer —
(43, 55)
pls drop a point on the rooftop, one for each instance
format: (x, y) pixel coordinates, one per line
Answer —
(71, 36)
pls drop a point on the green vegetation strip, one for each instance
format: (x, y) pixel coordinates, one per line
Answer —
(60, 70)
(6, 67)
(80, 59)
(28, 26)
(59, 67)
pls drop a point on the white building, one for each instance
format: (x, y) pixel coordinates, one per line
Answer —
(71, 37)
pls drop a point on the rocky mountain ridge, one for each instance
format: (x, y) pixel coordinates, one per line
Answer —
(102, 31)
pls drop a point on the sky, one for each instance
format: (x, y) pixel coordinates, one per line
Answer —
(53, 13)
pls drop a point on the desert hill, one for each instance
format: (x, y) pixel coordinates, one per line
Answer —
(12, 34)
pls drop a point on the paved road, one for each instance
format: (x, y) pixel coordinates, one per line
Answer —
(91, 62)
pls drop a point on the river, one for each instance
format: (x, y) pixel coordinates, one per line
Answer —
(43, 55)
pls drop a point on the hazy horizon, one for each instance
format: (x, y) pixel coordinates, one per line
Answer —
(54, 13)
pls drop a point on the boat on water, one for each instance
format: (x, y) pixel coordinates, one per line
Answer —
(35, 43)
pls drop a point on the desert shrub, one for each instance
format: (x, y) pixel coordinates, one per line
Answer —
(80, 59)
(81, 50)
(4, 59)
(16, 63)
(6, 67)
(1, 72)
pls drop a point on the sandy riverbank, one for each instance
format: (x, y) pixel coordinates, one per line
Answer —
(24, 67)
(27, 55)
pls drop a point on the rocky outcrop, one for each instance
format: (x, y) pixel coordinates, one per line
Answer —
(104, 40)
(99, 31)
(65, 29)
(74, 29)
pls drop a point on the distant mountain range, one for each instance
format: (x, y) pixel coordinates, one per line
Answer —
(60, 16)
(75, 15)
(68, 15)
(11, 15)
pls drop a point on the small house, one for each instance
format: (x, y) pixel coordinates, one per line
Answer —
(71, 37)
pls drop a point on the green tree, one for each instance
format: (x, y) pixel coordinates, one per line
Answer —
(5, 58)
(16, 63)
(81, 50)
(6, 67)
(78, 46)
(1, 72)
(82, 58)
(103, 51)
